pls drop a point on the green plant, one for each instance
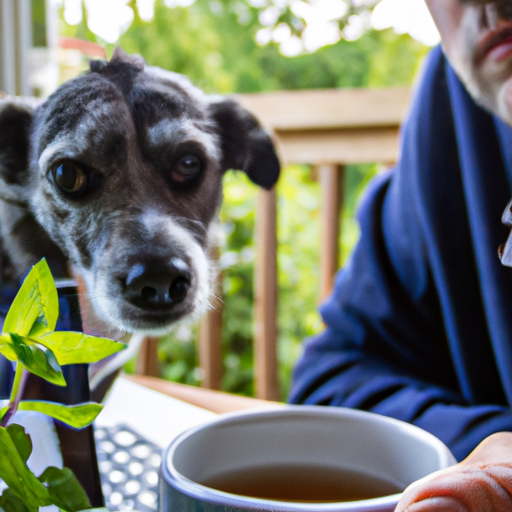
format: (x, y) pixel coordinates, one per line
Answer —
(30, 341)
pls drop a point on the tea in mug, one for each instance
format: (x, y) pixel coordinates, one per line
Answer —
(303, 484)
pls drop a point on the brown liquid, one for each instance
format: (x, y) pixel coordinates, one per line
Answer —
(303, 484)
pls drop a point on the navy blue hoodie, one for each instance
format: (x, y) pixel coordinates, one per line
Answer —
(419, 326)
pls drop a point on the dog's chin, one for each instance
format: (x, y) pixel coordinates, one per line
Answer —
(158, 322)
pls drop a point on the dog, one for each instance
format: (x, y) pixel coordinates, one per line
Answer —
(118, 176)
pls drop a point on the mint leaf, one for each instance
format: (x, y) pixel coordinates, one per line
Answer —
(64, 489)
(21, 440)
(76, 348)
(9, 502)
(6, 348)
(76, 416)
(37, 359)
(35, 308)
(15, 473)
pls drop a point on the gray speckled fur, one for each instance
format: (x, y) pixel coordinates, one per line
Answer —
(126, 122)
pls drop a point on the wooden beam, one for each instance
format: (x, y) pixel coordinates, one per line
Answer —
(329, 108)
(215, 401)
(343, 146)
(331, 179)
(210, 339)
(265, 335)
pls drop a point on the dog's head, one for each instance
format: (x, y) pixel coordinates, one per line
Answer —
(122, 167)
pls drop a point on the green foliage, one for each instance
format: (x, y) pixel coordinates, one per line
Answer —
(219, 53)
(27, 492)
(15, 448)
(213, 43)
(36, 358)
(76, 416)
(298, 262)
(64, 489)
(76, 347)
(35, 309)
(30, 341)
(179, 359)
(38, 11)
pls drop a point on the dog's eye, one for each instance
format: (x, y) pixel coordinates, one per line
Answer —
(186, 168)
(69, 177)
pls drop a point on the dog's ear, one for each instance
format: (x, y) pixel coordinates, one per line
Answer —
(15, 126)
(246, 145)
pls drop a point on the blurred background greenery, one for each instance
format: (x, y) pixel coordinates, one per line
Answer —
(227, 46)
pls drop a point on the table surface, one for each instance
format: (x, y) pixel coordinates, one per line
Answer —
(157, 417)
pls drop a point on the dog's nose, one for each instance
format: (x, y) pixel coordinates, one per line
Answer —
(150, 287)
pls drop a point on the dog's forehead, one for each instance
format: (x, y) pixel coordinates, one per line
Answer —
(86, 96)
(114, 102)
(158, 94)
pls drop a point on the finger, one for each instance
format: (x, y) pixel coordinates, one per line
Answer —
(462, 488)
(436, 504)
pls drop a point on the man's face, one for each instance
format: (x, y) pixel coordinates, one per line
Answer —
(477, 39)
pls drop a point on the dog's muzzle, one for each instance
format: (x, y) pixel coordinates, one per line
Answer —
(151, 275)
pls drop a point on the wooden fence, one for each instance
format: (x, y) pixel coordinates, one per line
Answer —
(327, 129)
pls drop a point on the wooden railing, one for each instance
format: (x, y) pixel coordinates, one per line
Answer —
(327, 129)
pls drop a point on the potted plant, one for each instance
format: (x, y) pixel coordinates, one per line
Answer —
(31, 343)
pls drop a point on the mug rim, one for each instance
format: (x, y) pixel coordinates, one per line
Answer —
(201, 492)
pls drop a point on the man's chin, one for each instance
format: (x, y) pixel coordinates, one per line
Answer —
(505, 102)
(491, 89)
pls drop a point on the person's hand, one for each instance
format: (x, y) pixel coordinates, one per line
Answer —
(480, 483)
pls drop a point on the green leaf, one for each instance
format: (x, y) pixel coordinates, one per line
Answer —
(35, 308)
(76, 348)
(21, 440)
(76, 416)
(37, 359)
(15, 473)
(64, 489)
(9, 502)
(6, 347)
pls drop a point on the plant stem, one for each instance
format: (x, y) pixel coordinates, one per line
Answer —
(20, 376)
(17, 382)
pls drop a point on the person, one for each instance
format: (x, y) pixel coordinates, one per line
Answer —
(419, 324)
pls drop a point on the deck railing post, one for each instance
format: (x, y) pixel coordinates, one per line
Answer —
(147, 360)
(265, 335)
(331, 180)
(210, 338)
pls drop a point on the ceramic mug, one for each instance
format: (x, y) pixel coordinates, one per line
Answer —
(238, 449)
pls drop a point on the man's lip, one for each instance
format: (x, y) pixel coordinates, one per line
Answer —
(491, 43)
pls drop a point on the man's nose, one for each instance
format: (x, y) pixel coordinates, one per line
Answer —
(492, 13)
